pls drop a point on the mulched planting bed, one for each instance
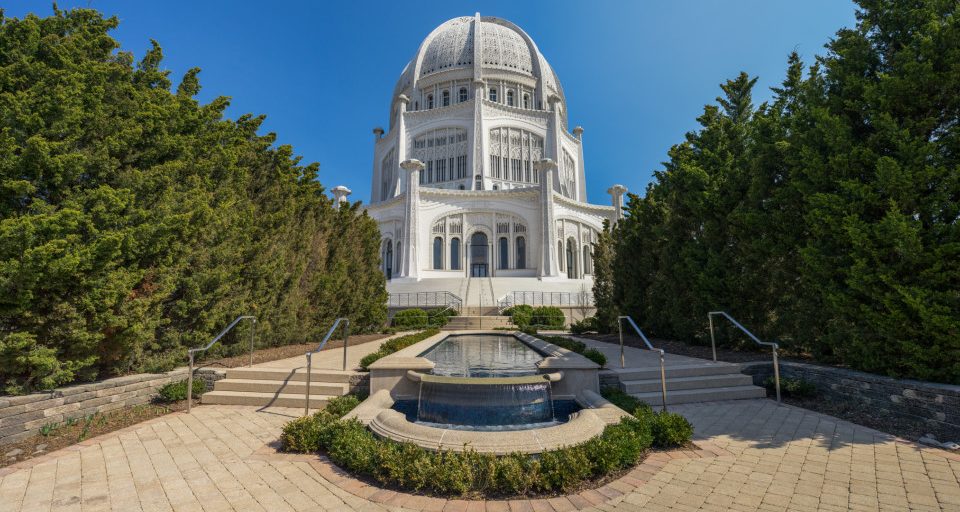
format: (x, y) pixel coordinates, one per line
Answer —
(63, 434)
(265, 355)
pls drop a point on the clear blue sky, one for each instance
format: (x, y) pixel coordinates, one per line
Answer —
(636, 74)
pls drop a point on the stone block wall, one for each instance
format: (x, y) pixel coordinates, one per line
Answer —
(23, 416)
(937, 403)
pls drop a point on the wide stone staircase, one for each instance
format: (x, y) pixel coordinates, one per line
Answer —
(686, 383)
(279, 387)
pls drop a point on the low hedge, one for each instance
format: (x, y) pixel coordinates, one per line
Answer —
(176, 391)
(525, 316)
(408, 467)
(391, 346)
(668, 429)
(575, 346)
(416, 318)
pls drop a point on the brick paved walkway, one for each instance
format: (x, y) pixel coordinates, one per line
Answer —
(763, 457)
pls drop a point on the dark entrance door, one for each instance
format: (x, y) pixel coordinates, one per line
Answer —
(479, 255)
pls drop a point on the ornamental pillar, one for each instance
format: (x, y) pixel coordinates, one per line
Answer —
(616, 199)
(410, 267)
(548, 228)
(340, 194)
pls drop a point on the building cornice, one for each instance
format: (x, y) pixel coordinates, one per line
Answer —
(566, 201)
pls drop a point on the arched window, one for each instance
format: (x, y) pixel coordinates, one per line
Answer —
(388, 260)
(416, 105)
(521, 259)
(446, 98)
(496, 187)
(438, 253)
(510, 98)
(526, 101)
(587, 263)
(399, 257)
(463, 94)
(503, 260)
(455, 254)
(429, 101)
(444, 153)
(493, 94)
(571, 260)
(479, 183)
(513, 153)
(461, 187)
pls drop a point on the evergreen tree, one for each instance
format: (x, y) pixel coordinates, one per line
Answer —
(136, 222)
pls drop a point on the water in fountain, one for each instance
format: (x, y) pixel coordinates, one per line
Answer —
(487, 404)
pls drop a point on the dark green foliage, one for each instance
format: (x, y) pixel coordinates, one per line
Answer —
(408, 467)
(589, 324)
(670, 430)
(176, 391)
(136, 222)
(410, 318)
(547, 317)
(825, 219)
(603, 282)
(520, 315)
(391, 346)
(339, 406)
(596, 356)
(797, 388)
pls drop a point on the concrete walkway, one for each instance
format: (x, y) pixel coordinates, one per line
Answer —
(772, 458)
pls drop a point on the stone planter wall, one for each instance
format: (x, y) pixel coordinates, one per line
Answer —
(22, 416)
(938, 403)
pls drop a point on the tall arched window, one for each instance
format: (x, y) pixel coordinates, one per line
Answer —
(429, 101)
(510, 98)
(438, 253)
(388, 260)
(446, 98)
(587, 263)
(504, 253)
(526, 101)
(479, 183)
(571, 260)
(444, 153)
(399, 257)
(463, 94)
(560, 258)
(493, 94)
(521, 259)
(513, 153)
(455, 254)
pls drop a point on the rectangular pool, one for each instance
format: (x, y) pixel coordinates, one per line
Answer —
(483, 355)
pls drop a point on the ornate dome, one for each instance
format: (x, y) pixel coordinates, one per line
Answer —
(504, 47)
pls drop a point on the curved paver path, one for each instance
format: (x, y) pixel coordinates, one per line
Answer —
(757, 456)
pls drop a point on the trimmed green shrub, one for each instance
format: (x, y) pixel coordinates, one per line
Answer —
(176, 391)
(548, 317)
(797, 388)
(519, 315)
(588, 324)
(301, 435)
(596, 356)
(564, 469)
(410, 318)
(671, 430)
(339, 406)
(395, 344)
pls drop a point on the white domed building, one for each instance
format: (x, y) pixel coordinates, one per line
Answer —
(478, 175)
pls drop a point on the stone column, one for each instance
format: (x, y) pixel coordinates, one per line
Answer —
(401, 143)
(616, 199)
(410, 267)
(340, 194)
(376, 178)
(548, 242)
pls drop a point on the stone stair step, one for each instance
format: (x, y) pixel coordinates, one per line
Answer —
(682, 383)
(692, 370)
(702, 395)
(276, 386)
(288, 374)
(263, 399)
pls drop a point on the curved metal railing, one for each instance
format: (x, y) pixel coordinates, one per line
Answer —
(663, 367)
(223, 333)
(333, 328)
(772, 345)
(427, 299)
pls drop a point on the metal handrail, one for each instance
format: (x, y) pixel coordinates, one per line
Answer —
(192, 351)
(663, 367)
(415, 299)
(772, 345)
(538, 298)
(346, 334)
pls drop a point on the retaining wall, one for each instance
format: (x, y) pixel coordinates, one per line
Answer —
(22, 416)
(932, 402)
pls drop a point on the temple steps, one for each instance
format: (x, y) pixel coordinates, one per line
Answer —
(278, 387)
